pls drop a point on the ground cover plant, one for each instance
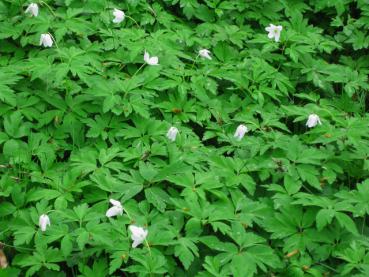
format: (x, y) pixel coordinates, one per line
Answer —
(184, 138)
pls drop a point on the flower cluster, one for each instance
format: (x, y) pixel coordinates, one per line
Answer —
(138, 234)
(274, 31)
(313, 120)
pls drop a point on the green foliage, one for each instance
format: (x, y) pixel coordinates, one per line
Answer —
(85, 121)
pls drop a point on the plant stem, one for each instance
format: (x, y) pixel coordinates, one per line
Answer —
(193, 64)
(133, 21)
(329, 267)
(47, 5)
(363, 225)
(138, 70)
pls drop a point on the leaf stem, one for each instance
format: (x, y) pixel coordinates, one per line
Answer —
(13, 246)
(329, 267)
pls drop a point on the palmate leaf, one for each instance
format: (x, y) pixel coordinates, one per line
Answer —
(358, 197)
(8, 78)
(85, 161)
(157, 197)
(99, 269)
(14, 125)
(186, 250)
(260, 256)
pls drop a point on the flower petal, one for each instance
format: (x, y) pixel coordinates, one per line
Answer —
(153, 61)
(277, 35)
(115, 203)
(134, 229)
(114, 211)
(136, 243)
(146, 57)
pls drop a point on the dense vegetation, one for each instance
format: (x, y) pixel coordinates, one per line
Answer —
(225, 150)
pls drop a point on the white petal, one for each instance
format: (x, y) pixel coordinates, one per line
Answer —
(41, 39)
(32, 9)
(114, 211)
(313, 120)
(44, 221)
(136, 243)
(153, 61)
(49, 41)
(270, 35)
(119, 16)
(134, 229)
(115, 203)
(35, 9)
(138, 233)
(277, 36)
(172, 133)
(240, 132)
(146, 57)
(205, 53)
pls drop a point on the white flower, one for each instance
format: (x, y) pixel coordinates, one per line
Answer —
(172, 133)
(32, 9)
(313, 120)
(117, 208)
(152, 60)
(44, 221)
(240, 132)
(118, 16)
(274, 31)
(138, 236)
(46, 40)
(205, 53)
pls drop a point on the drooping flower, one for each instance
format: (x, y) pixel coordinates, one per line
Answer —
(138, 236)
(274, 31)
(205, 53)
(240, 132)
(118, 16)
(172, 133)
(32, 9)
(46, 40)
(313, 120)
(117, 209)
(43, 222)
(151, 60)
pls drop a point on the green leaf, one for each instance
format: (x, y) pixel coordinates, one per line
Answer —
(324, 217)
(186, 250)
(346, 222)
(14, 125)
(66, 245)
(7, 79)
(6, 208)
(157, 197)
